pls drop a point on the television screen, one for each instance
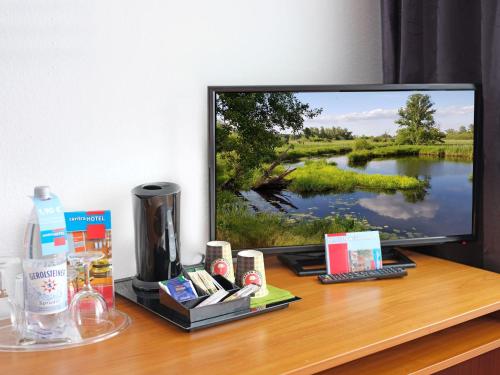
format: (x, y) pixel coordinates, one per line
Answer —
(292, 165)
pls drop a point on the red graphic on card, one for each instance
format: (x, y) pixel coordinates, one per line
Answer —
(96, 231)
(59, 241)
(335, 234)
(219, 267)
(251, 277)
(338, 258)
(92, 213)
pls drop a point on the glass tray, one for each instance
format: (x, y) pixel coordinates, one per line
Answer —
(116, 323)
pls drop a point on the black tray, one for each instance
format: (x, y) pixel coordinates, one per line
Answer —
(151, 301)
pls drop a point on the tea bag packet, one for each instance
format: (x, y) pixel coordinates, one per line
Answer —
(244, 292)
(179, 288)
(204, 281)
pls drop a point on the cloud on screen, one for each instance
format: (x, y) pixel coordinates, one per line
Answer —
(380, 114)
(395, 207)
(374, 114)
(455, 110)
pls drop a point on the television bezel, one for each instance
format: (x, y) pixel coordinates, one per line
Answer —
(425, 241)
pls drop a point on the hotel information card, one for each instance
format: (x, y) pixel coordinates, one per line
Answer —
(91, 231)
(353, 252)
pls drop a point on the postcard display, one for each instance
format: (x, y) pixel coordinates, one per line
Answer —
(353, 252)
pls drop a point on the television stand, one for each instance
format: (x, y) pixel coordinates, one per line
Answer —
(313, 263)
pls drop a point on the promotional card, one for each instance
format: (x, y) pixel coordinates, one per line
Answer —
(353, 252)
(91, 231)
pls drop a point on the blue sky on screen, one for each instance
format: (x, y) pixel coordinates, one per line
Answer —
(373, 113)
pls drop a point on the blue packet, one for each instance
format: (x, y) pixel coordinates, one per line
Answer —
(180, 289)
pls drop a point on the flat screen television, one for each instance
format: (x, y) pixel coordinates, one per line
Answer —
(289, 164)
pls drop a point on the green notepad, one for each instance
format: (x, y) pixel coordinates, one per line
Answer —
(274, 295)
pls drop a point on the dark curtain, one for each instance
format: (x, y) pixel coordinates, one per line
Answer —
(454, 41)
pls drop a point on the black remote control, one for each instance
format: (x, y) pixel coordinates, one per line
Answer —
(382, 273)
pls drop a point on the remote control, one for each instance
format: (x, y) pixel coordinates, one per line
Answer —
(382, 273)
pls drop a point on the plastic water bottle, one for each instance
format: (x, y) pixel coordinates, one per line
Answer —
(45, 283)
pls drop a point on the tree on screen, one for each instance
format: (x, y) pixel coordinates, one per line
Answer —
(332, 133)
(308, 133)
(250, 128)
(463, 133)
(416, 122)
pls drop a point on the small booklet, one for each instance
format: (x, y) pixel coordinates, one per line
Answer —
(91, 231)
(353, 252)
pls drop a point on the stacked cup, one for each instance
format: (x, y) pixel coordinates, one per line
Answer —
(219, 259)
(250, 270)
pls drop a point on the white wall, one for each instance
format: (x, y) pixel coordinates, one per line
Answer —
(99, 96)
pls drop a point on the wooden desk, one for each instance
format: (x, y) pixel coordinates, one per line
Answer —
(333, 325)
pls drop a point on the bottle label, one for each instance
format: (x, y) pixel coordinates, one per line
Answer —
(46, 288)
(52, 225)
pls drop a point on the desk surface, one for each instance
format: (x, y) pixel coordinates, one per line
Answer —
(332, 325)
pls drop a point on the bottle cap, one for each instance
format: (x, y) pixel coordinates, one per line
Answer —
(42, 192)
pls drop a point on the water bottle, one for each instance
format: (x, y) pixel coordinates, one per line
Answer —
(45, 282)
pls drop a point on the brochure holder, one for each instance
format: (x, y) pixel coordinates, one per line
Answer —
(189, 318)
(188, 311)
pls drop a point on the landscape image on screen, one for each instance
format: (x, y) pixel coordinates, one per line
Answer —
(292, 166)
